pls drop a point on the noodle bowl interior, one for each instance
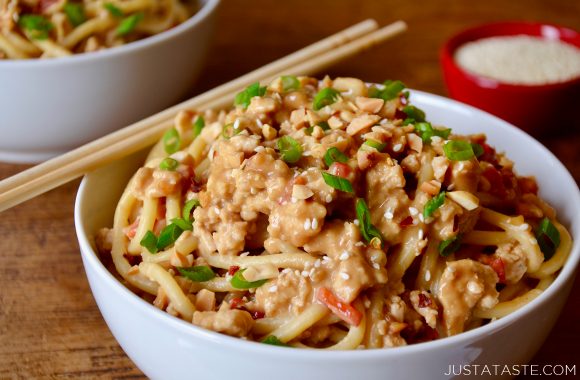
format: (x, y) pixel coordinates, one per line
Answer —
(60, 28)
(331, 214)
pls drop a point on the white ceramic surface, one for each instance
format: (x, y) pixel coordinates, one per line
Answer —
(164, 347)
(48, 107)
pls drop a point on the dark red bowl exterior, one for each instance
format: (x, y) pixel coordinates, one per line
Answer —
(536, 109)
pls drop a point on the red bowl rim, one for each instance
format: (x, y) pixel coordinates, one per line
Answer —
(507, 28)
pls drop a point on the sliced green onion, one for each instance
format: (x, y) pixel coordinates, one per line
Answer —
(113, 10)
(433, 204)
(36, 26)
(198, 126)
(274, 341)
(325, 97)
(375, 144)
(334, 155)
(239, 282)
(75, 13)
(447, 247)
(414, 114)
(290, 82)
(199, 273)
(171, 141)
(189, 207)
(369, 232)
(230, 131)
(149, 241)
(245, 97)
(548, 238)
(337, 182)
(183, 223)
(168, 236)
(289, 148)
(390, 91)
(477, 149)
(128, 24)
(458, 150)
(324, 125)
(168, 163)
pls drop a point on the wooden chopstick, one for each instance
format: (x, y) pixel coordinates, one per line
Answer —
(223, 91)
(88, 157)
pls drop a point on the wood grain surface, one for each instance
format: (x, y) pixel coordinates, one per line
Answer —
(50, 326)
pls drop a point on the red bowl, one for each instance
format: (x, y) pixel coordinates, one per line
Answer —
(534, 108)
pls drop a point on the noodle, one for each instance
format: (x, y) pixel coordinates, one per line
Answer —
(256, 225)
(33, 29)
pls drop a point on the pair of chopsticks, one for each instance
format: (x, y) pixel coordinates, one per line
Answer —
(309, 60)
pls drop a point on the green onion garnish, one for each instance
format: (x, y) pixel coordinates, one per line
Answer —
(171, 141)
(273, 340)
(149, 241)
(168, 163)
(459, 150)
(426, 131)
(324, 125)
(414, 115)
(128, 24)
(289, 148)
(375, 144)
(290, 82)
(447, 247)
(433, 204)
(199, 273)
(325, 97)
(75, 13)
(334, 155)
(113, 10)
(230, 131)
(391, 90)
(245, 97)
(337, 182)
(198, 126)
(367, 229)
(168, 236)
(239, 282)
(184, 224)
(36, 26)
(548, 238)
(477, 149)
(188, 208)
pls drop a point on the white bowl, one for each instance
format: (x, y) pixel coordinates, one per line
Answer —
(48, 107)
(164, 347)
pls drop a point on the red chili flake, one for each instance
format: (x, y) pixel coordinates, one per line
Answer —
(497, 264)
(528, 185)
(236, 303)
(424, 334)
(340, 170)
(233, 269)
(496, 181)
(408, 221)
(133, 260)
(257, 314)
(194, 186)
(400, 114)
(424, 301)
(488, 154)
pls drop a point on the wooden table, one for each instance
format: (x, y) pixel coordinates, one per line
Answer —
(50, 326)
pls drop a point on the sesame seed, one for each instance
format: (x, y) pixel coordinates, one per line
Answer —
(533, 241)
(389, 214)
(286, 270)
(259, 149)
(216, 210)
(344, 275)
(244, 254)
(305, 273)
(253, 191)
(356, 222)
(307, 153)
(427, 275)
(420, 234)
(307, 224)
(367, 303)
(297, 272)
(237, 123)
(413, 211)
(311, 272)
(273, 289)
(259, 123)
(421, 218)
(344, 256)
(523, 227)
(415, 222)
(328, 198)
(428, 220)
(460, 166)
(398, 147)
(294, 200)
(325, 259)
(314, 223)
(451, 187)
(317, 263)
(436, 139)
(383, 121)
(359, 244)
(376, 266)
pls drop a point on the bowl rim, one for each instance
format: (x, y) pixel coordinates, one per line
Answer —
(494, 29)
(208, 7)
(90, 257)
